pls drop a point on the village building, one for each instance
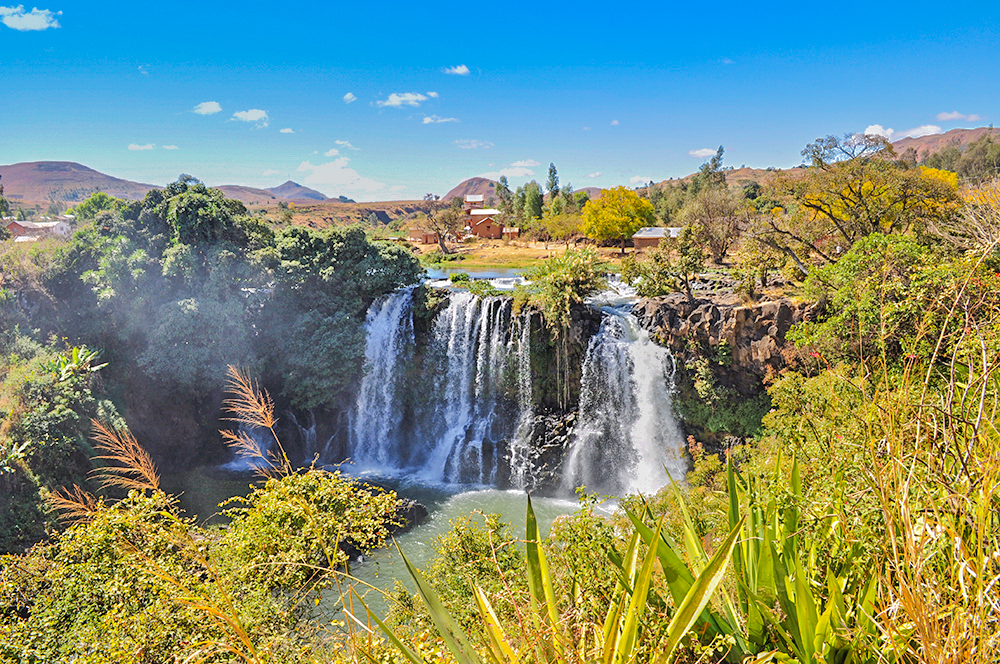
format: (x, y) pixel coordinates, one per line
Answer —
(511, 233)
(422, 236)
(650, 236)
(39, 229)
(484, 224)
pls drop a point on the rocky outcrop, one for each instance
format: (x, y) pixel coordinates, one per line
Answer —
(754, 336)
(548, 442)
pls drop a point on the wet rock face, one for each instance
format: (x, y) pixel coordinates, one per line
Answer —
(755, 334)
(550, 438)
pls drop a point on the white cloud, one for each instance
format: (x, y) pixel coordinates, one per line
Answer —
(519, 169)
(170, 147)
(349, 97)
(614, 123)
(703, 153)
(335, 178)
(269, 172)
(595, 174)
(433, 94)
(345, 144)
(878, 130)
(144, 70)
(253, 115)
(400, 99)
(639, 179)
(891, 134)
(459, 70)
(16, 18)
(728, 61)
(433, 119)
(207, 108)
(332, 152)
(922, 130)
(398, 187)
(955, 115)
(472, 144)
(147, 146)
(286, 130)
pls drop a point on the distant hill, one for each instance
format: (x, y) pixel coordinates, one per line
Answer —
(40, 181)
(928, 145)
(248, 195)
(293, 191)
(473, 186)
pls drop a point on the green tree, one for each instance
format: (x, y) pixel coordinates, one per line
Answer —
(533, 201)
(853, 189)
(552, 184)
(97, 202)
(670, 266)
(718, 211)
(4, 205)
(616, 215)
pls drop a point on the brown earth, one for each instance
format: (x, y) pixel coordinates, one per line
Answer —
(42, 181)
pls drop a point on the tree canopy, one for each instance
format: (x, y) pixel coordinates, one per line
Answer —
(616, 215)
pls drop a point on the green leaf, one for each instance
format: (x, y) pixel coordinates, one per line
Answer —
(400, 646)
(700, 594)
(456, 640)
(499, 648)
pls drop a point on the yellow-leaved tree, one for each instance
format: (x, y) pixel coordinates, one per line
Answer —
(616, 215)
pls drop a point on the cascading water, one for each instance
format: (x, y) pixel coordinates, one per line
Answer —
(459, 409)
(627, 433)
(451, 413)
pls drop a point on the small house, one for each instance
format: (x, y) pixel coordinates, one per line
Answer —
(650, 236)
(484, 224)
(422, 236)
(511, 233)
(39, 229)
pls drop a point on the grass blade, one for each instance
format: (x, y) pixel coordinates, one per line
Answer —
(456, 640)
(701, 592)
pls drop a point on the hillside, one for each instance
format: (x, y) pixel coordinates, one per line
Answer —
(248, 195)
(486, 187)
(41, 181)
(293, 191)
(928, 145)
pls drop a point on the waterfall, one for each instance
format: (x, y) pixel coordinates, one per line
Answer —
(457, 405)
(375, 422)
(626, 433)
(450, 414)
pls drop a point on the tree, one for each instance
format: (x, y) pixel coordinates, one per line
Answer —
(95, 203)
(505, 201)
(447, 220)
(717, 211)
(854, 188)
(616, 215)
(552, 185)
(4, 205)
(669, 267)
(710, 174)
(533, 202)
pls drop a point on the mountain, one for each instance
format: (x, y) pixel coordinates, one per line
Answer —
(487, 188)
(927, 145)
(248, 195)
(40, 181)
(293, 191)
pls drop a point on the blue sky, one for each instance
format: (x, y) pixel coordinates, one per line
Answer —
(382, 101)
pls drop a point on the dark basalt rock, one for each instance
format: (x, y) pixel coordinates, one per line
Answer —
(755, 334)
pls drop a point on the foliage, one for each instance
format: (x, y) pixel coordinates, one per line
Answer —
(557, 636)
(562, 281)
(853, 189)
(668, 267)
(94, 204)
(719, 213)
(616, 215)
(978, 161)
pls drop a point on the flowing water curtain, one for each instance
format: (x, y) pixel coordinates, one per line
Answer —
(627, 432)
(452, 416)
(377, 417)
